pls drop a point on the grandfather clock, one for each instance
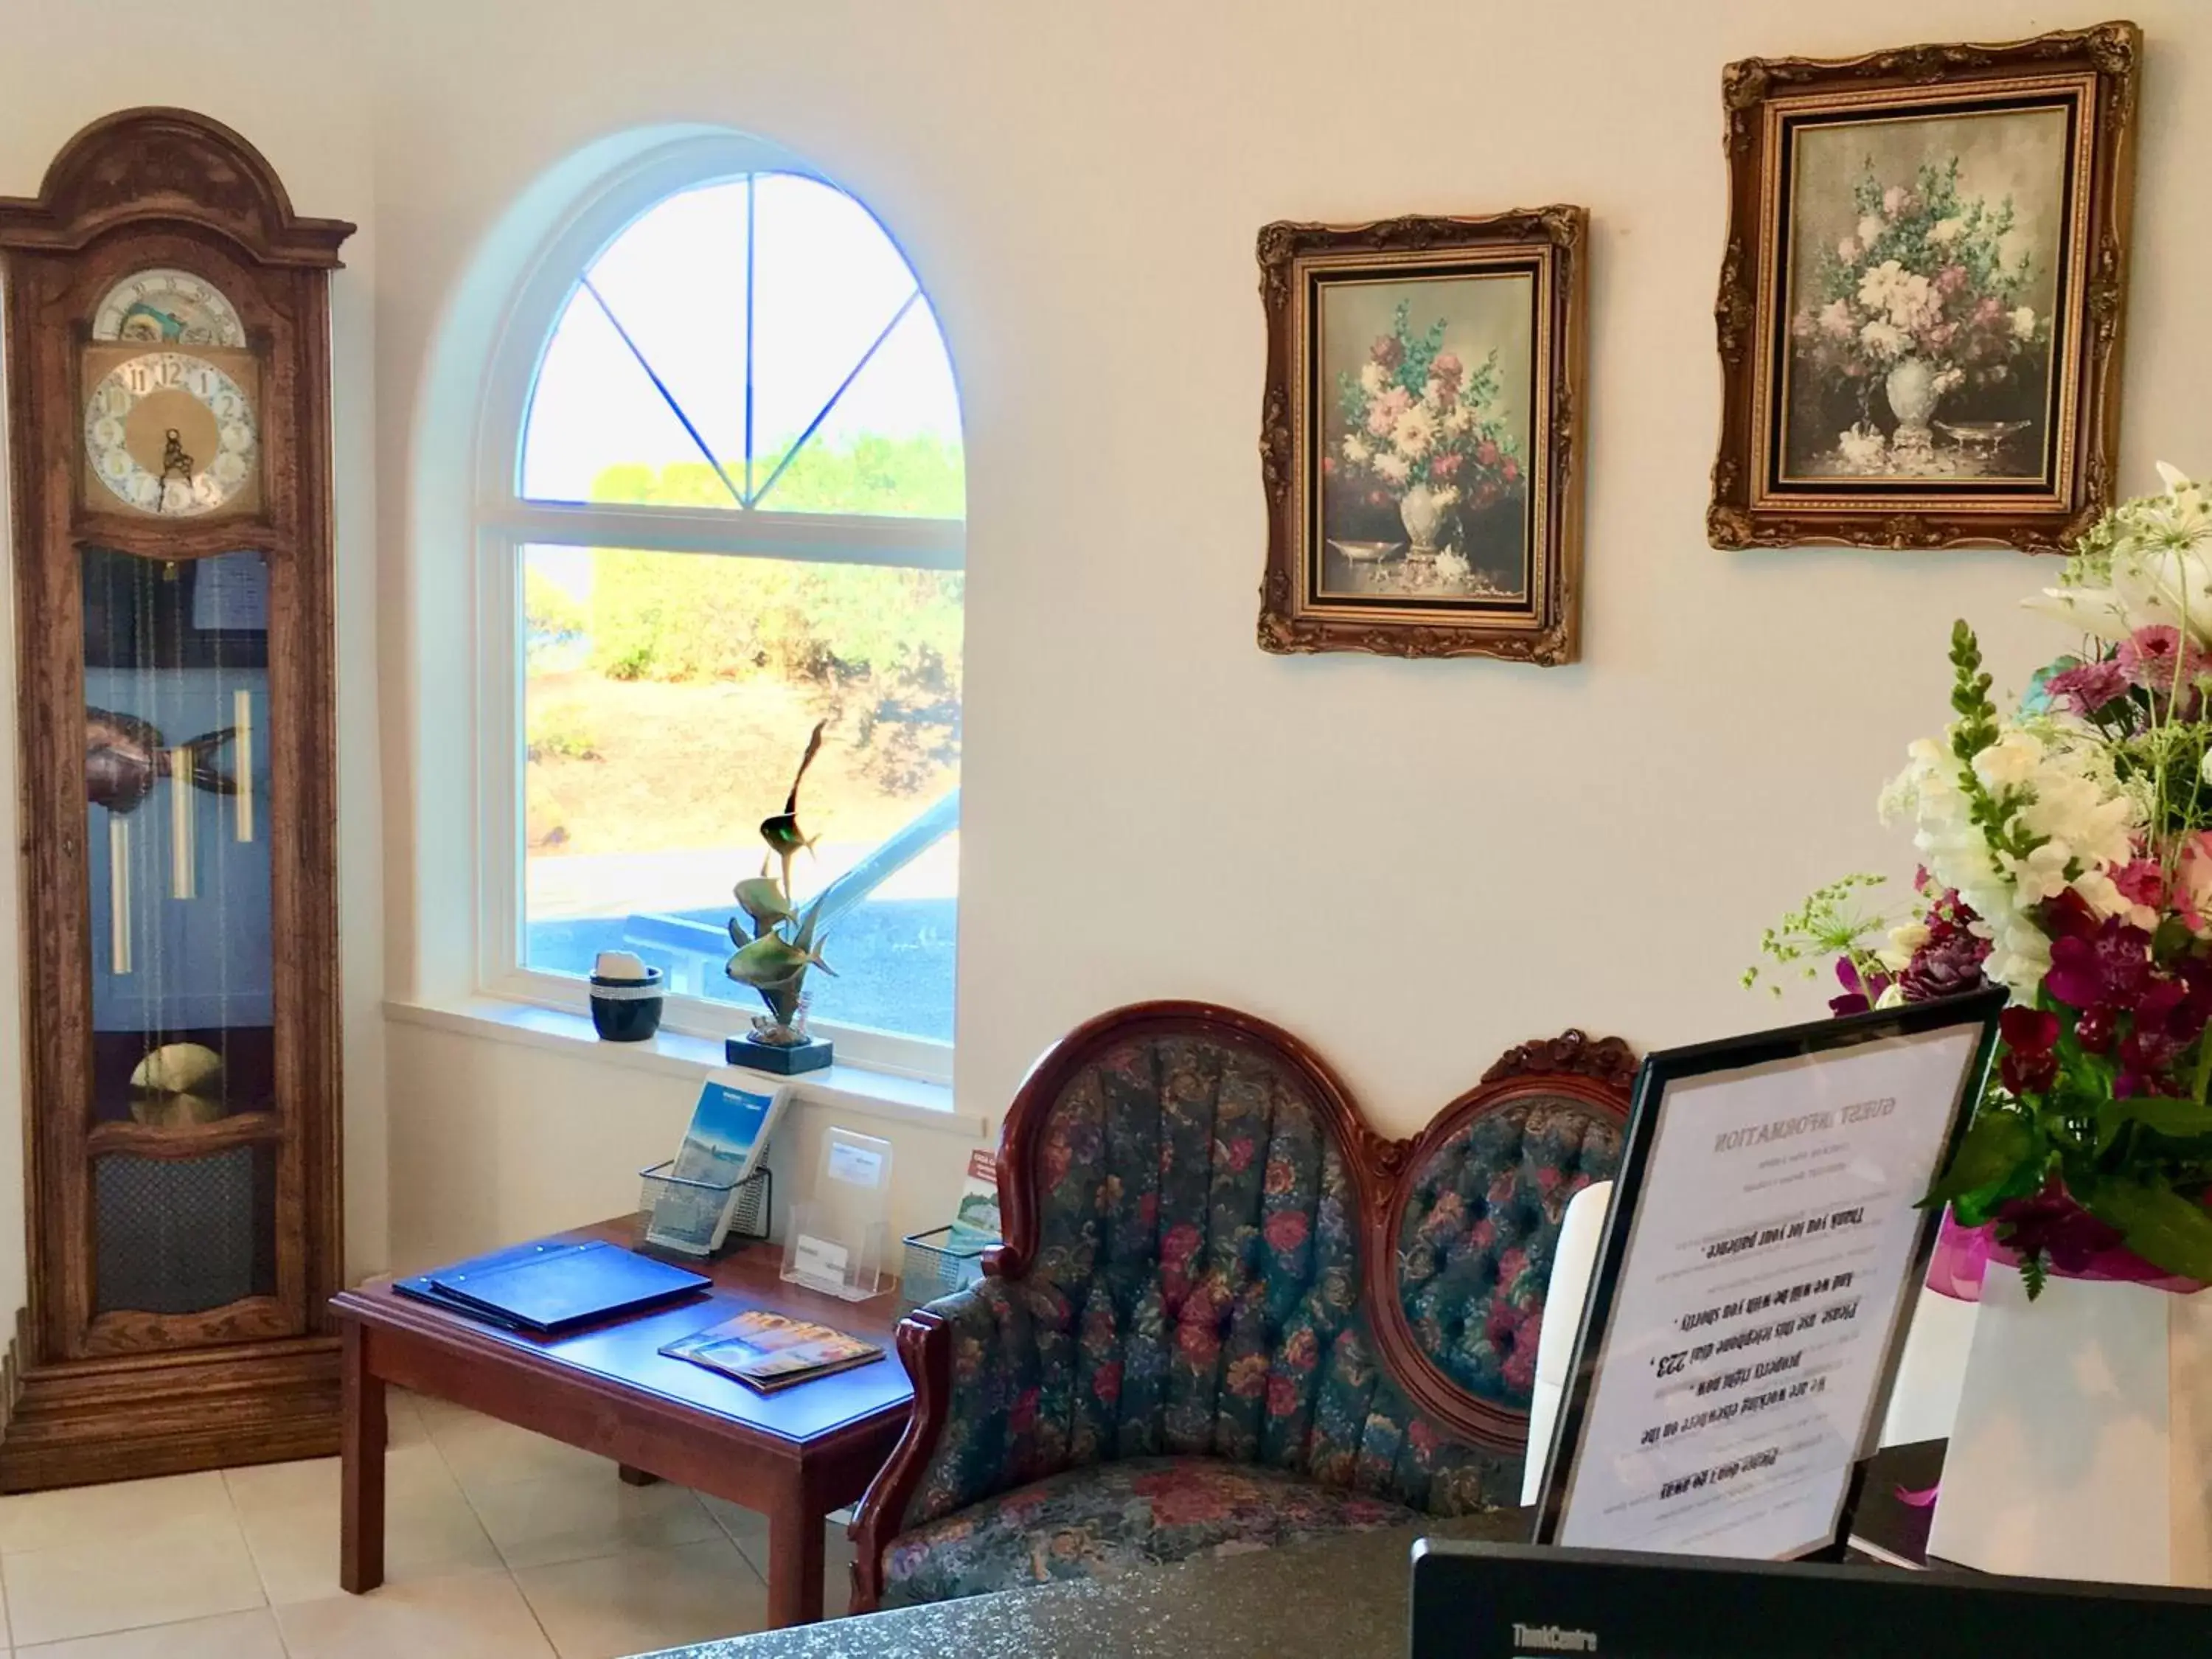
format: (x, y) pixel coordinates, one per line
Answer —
(169, 442)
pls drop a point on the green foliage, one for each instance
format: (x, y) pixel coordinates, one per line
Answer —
(1996, 812)
(559, 733)
(1974, 239)
(549, 609)
(921, 478)
(881, 644)
(1830, 923)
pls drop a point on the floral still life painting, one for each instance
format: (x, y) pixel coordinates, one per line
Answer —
(2065, 847)
(1418, 438)
(1922, 335)
(1922, 293)
(1424, 489)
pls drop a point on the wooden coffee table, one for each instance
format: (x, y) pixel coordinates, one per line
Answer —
(793, 1456)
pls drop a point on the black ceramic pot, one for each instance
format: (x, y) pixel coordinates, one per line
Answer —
(628, 1009)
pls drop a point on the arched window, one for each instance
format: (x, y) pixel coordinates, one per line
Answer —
(723, 490)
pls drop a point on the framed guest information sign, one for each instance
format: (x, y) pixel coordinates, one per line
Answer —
(1760, 1266)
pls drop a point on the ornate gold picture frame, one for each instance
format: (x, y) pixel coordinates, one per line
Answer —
(1920, 302)
(1420, 435)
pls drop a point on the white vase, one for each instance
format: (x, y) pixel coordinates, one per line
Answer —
(1911, 389)
(1423, 515)
(2083, 1444)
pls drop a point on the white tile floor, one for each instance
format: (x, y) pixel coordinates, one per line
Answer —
(498, 1545)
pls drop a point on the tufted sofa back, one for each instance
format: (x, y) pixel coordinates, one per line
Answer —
(1188, 1202)
(1477, 1230)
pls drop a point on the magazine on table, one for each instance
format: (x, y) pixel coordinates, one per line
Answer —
(767, 1352)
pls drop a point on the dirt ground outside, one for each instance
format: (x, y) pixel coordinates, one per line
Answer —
(643, 766)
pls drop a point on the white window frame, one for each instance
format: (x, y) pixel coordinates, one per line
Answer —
(505, 522)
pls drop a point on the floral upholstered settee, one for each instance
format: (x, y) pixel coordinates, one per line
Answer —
(1195, 1339)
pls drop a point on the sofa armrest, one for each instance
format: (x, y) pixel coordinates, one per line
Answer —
(976, 1359)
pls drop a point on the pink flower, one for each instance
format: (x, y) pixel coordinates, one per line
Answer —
(2159, 660)
(1286, 1229)
(1510, 471)
(2088, 688)
(2192, 884)
(1443, 466)
(1485, 453)
(2140, 882)
(1896, 199)
(1447, 366)
(1387, 351)
(1990, 309)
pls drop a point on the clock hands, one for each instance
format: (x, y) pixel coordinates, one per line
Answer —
(176, 462)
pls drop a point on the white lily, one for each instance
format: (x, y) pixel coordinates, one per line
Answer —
(2097, 611)
(2165, 584)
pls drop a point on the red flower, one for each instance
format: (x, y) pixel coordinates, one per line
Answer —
(1106, 1382)
(1328, 466)
(1282, 1396)
(1281, 1177)
(1387, 351)
(2029, 1030)
(1510, 471)
(1485, 453)
(1241, 1151)
(1443, 466)
(1286, 1230)
(1021, 1417)
(1423, 1437)
(1178, 1499)
(1199, 1342)
(1179, 1246)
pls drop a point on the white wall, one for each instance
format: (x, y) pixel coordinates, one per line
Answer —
(274, 73)
(1414, 865)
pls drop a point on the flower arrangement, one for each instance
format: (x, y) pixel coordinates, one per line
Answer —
(1923, 275)
(1415, 416)
(2066, 851)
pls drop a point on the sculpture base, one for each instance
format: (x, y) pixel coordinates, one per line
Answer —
(785, 1059)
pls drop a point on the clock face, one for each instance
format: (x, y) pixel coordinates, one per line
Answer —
(170, 432)
(168, 307)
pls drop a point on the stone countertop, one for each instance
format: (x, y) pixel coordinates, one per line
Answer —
(1333, 1598)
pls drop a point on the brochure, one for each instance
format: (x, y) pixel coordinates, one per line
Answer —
(975, 1223)
(767, 1352)
(725, 1142)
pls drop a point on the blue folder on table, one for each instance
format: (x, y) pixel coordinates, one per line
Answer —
(552, 1285)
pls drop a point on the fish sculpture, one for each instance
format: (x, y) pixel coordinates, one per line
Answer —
(125, 756)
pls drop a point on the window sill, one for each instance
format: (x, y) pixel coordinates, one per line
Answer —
(850, 1089)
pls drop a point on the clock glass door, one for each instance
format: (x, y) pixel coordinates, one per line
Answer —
(186, 1144)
